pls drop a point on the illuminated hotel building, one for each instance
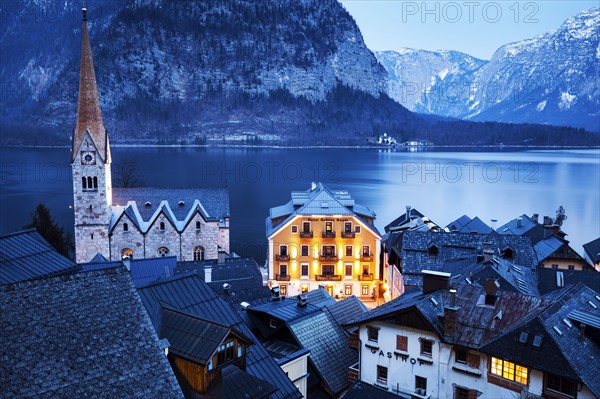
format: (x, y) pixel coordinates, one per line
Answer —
(322, 238)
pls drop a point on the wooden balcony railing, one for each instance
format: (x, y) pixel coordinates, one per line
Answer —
(328, 277)
(306, 234)
(348, 234)
(328, 258)
(282, 277)
(282, 258)
(365, 277)
(366, 257)
(353, 373)
(328, 234)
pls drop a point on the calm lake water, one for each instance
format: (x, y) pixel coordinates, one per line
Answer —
(442, 185)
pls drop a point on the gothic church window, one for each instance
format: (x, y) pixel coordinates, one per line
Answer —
(162, 226)
(84, 183)
(163, 251)
(126, 253)
(125, 227)
(90, 182)
(197, 225)
(198, 253)
(95, 183)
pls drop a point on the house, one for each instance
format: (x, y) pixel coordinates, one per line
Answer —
(591, 251)
(26, 255)
(417, 251)
(554, 282)
(556, 253)
(119, 223)
(470, 342)
(411, 220)
(465, 224)
(530, 227)
(198, 303)
(81, 335)
(313, 323)
(321, 237)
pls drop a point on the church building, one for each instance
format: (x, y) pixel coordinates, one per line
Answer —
(121, 223)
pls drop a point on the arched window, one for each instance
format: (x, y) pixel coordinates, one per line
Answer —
(163, 251)
(84, 183)
(162, 225)
(197, 225)
(125, 227)
(198, 253)
(90, 182)
(91, 208)
(95, 182)
(126, 253)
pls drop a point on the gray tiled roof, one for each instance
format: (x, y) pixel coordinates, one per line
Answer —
(347, 309)
(546, 247)
(83, 335)
(238, 384)
(362, 390)
(455, 246)
(465, 224)
(26, 255)
(549, 279)
(318, 201)
(329, 350)
(287, 309)
(592, 249)
(143, 271)
(143, 205)
(190, 294)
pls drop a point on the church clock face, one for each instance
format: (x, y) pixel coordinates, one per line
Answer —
(88, 157)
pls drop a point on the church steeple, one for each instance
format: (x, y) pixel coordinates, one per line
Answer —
(89, 115)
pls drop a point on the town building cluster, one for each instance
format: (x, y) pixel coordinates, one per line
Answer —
(156, 306)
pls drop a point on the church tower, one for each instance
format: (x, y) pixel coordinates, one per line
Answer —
(90, 162)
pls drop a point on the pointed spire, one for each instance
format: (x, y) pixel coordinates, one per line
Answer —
(89, 115)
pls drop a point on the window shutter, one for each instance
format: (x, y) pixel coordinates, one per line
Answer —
(401, 343)
(472, 394)
(473, 361)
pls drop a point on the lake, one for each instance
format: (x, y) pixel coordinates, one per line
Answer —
(443, 185)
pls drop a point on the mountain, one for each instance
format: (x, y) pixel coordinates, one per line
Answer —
(551, 79)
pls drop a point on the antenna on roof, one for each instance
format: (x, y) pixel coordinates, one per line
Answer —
(84, 11)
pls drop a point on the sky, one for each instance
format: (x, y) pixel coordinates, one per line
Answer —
(477, 28)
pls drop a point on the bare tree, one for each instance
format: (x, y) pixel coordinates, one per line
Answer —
(127, 175)
(561, 216)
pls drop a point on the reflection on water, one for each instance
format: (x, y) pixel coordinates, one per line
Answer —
(442, 185)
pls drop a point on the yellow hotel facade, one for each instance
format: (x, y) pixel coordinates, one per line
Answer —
(323, 239)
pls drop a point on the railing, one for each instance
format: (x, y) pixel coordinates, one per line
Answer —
(527, 395)
(328, 234)
(282, 258)
(328, 277)
(306, 234)
(365, 277)
(328, 258)
(366, 257)
(353, 373)
(282, 277)
(348, 234)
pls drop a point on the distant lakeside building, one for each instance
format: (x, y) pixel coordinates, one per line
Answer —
(117, 223)
(321, 237)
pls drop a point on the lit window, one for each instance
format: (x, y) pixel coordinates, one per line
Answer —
(328, 226)
(348, 270)
(426, 347)
(126, 253)
(509, 371)
(349, 250)
(364, 290)
(198, 253)
(294, 229)
(382, 374)
(366, 251)
(348, 289)
(163, 251)
(373, 333)
(365, 270)
(304, 288)
(283, 289)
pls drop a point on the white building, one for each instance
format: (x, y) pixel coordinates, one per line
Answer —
(476, 342)
(192, 224)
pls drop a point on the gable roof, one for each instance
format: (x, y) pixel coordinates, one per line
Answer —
(465, 224)
(288, 310)
(81, 335)
(592, 250)
(142, 271)
(192, 337)
(190, 294)
(238, 384)
(347, 309)
(546, 247)
(556, 280)
(26, 255)
(318, 200)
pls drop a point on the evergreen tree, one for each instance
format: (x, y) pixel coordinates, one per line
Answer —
(561, 216)
(44, 223)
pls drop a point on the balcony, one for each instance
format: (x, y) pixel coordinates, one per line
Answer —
(282, 258)
(328, 234)
(353, 373)
(365, 277)
(348, 234)
(306, 234)
(366, 258)
(328, 258)
(282, 277)
(328, 277)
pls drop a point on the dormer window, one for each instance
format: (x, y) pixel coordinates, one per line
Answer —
(181, 203)
(507, 253)
(148, 204)
(433, 250)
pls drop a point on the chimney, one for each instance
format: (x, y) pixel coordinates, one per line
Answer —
(227, 288)
(302, 300)
(208, 274)
(547, 220)
(519, 222)
(127, 263)
(451, 315)
(433, 281)
(581, 332)
(275, 293)
(494, 223)
(535, 217)
(313, 186)
(408, 209)
(488, 252)
(491, 288)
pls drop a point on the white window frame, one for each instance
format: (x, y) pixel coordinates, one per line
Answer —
(294, 227)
